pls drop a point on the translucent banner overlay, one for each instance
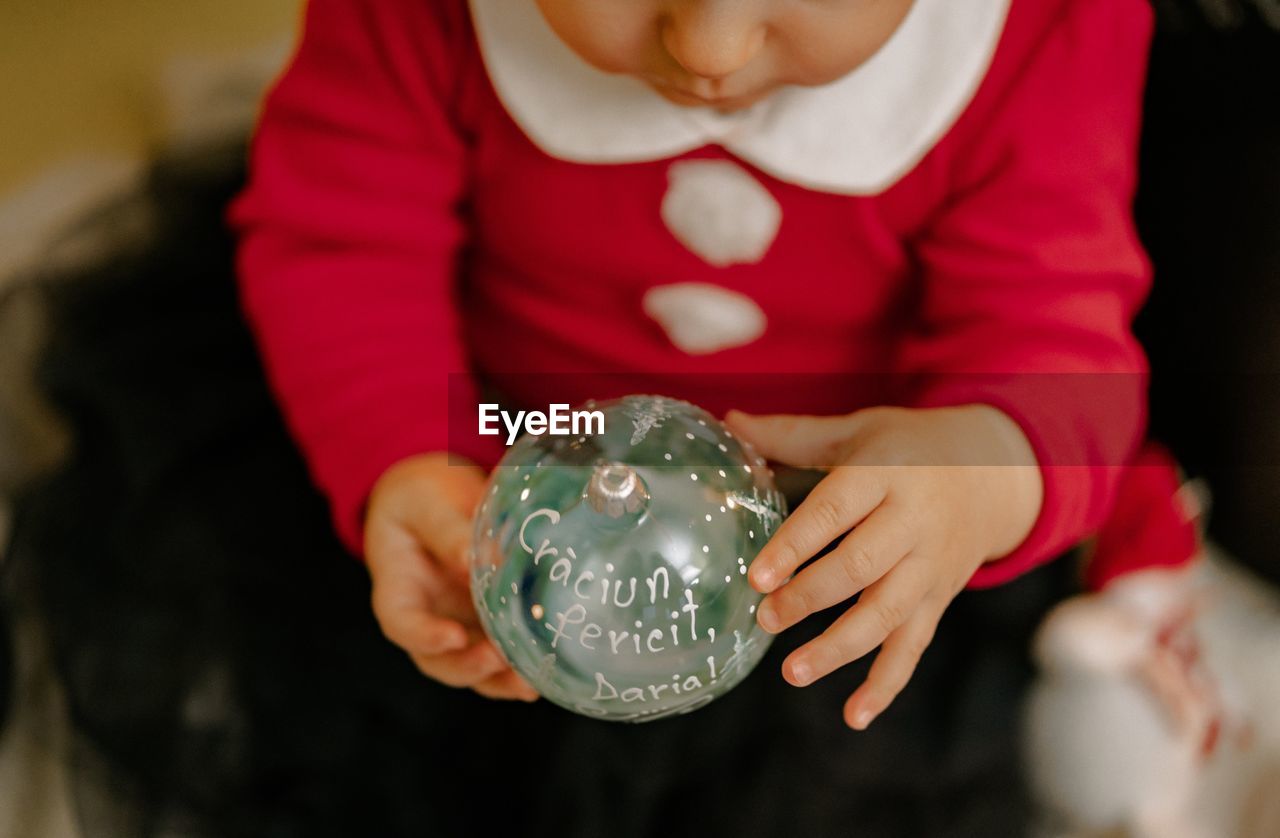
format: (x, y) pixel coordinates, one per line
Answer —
(1071, 419)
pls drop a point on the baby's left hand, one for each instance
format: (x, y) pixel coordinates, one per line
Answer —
(929, 494)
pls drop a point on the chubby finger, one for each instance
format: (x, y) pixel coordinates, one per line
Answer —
(883, 607)
(414, 610)
(507, 686)
(804, 441)
(837, 504)
(863, 557)
(465, 668)
(420, 632)
(893, 667)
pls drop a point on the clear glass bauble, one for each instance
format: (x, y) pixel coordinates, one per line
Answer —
(611, 568)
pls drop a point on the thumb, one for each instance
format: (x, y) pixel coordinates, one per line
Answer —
(435, 508)
(802, 441)
(443, 531)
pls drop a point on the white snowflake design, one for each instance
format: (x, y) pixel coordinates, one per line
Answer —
(645, 415)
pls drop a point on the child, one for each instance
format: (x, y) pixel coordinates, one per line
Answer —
(934, 190)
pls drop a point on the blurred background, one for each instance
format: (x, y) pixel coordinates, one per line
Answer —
(90, 78)
(93, 91)
(130, 646)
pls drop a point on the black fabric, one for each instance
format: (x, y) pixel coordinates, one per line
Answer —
(227, 676)
(1209, 213)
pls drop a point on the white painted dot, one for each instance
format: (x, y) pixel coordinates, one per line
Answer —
(502, 599)
(706, 548)
(639, 624)
(526, 476)
(746, 468)
(722, 509)
(525, 494)
(675, 615)
(751, 533)
(728, 579)
(751, 610)
(609, 566)
(708, 517)
(740, 560)
(514, 589)
(729, 434)
(702, 422)
(688, 436)
(742, 570)
(693, 477)
(666, 456)
(723, 447)
(722, 474)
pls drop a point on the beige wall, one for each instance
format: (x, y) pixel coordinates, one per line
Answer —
(83, 76)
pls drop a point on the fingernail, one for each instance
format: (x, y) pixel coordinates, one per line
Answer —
(767, 618)
(763, 579)
(801, 673)
(863, 719)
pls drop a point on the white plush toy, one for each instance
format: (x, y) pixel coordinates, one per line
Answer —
(1157, 713)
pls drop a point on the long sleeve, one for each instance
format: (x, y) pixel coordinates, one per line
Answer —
(350, 232)
(1033, 273)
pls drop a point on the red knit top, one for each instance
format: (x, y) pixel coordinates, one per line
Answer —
(401, 225)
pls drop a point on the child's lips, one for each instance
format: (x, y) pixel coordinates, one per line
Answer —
(682, 96)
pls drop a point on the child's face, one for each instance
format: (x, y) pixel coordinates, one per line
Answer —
(725, 54)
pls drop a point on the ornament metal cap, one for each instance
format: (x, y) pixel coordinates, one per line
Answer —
(616, 489)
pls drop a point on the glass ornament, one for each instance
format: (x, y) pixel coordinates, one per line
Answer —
(611, 569)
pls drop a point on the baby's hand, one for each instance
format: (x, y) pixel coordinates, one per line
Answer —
(929, 495)
(417, 533)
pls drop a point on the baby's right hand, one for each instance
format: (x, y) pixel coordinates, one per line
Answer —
(417, 533)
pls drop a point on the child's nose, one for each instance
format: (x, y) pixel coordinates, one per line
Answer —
(713, 39)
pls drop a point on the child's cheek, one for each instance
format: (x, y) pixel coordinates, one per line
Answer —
(615, 36)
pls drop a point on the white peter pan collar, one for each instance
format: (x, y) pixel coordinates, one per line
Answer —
(857, 135)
